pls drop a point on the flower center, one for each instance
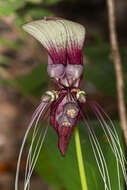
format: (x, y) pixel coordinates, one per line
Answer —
(71, 113)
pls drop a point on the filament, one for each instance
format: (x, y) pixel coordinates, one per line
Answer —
(33, 162)
(114, 144)
(41, 109)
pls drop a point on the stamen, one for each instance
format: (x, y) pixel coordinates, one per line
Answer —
(46, 98)
(66, 123)
(81, 96)
(71, 110)
(49, 96)
(71, 113)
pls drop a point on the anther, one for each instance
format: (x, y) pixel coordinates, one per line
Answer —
(46, 98)
(49, 96)
(71, 113)
(66, 124)
(64, 121)
(81, 96)
(71, 110)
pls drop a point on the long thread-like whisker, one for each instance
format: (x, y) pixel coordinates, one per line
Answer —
(98, 153)
(28, 163)
(105, 165)
(115, 137)
(114, 132)
(33, 154)
(113, 148)
(101, 152)
(114, 144)
(105, 174)
(34, 159)
(36, 128)
(35, 116)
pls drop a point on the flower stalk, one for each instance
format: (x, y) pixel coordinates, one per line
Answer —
(80, 160)
(118, 66)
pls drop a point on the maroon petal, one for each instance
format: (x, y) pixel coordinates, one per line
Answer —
(61, 122)
(64, 139)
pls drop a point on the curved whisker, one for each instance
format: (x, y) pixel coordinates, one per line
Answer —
(104, 162)
(40, 111)
(28, 162)
(98, 153)
(30, 151)
(114, 144)
(113, 127)
(36, 152)
(35, 132)
(99, 157)
(35, 135)
(114, 150)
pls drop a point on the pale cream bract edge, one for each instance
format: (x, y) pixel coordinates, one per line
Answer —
(75, 33)
(47, 32)
(58, 33)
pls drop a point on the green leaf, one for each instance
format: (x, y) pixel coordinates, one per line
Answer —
(7, 7)
(51, 2)
(4, 11)
(34, 82)
(20, 20)
(100, 69)
(5, 60)
(66, 168)
(10, 44)
(38, 13)
(47, 172)
(34, 1)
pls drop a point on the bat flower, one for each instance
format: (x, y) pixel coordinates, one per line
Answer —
(64, 41)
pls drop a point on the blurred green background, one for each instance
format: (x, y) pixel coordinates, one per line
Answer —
(23, 79)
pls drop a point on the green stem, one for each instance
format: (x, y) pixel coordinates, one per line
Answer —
(80, 160)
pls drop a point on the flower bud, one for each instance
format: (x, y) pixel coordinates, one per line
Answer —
(56, 70)
(74, 71)
(81, 96)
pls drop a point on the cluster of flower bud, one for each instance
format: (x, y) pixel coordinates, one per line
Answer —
(59, 70)
(69, 114)
(69, 72)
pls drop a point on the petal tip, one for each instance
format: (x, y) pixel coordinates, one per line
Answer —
(63, 144)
